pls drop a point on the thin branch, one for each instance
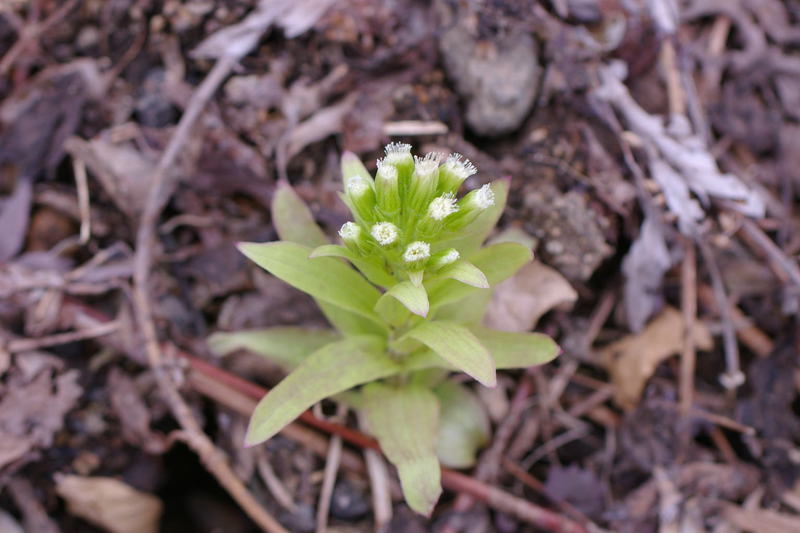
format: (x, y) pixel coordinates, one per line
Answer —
(161, 185)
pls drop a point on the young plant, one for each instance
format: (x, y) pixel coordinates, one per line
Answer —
(405, 292)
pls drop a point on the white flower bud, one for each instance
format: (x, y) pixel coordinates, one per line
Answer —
(442, 206)
(484, 198)
(356, 186)
(350, 231)
(417, 251)
(460, 169)
(397, 152)
(385, 233)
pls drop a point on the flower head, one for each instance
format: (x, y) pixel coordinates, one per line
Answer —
(451, 256)
(425, 167)
(417, 251)
(397, 152)
(384, 232)
(350, 231)
(484, 198)
(442, 206)
(460, 169)
(386, 172)
(356, 186)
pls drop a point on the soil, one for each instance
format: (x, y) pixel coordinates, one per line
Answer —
(653, 157)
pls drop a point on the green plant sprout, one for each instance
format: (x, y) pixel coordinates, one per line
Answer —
(406, 292)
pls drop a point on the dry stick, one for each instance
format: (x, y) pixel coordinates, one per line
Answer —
(733, 376)
(332, 461)
(749, 335)
(789, 267)
(26, 345)
(489, 462)
(29, 34)
(82, 185)
(689, 308)
(451, 480)
(161, 184)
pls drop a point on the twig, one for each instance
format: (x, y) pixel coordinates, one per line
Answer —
(752, 337)
(227, 386)
(379, 486)
(332, 461)
(273, 482)
(31, 33)
(689, 308)
(414, 127)
(26, 345)
(733, 376)
(160, 188)
(789, 267)
(82, 186)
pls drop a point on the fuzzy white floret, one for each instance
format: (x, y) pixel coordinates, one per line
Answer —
(386, 171)
(397, 152)
(417, 251)
(442, 206)
(461, 169)
(450, 257)
(484, 198)
(349, 231)
(426, 166)
(356, 185)
(384, 232)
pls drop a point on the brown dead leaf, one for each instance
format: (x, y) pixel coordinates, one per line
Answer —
(760, 520)
(518, 302)
(33, 406)
(110, 503)
(633, 359)
(133, 413)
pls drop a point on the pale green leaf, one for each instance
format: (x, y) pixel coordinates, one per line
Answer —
(469, 310)
(463, 425)
(414, 298)
(517, 350)
(330, 370)
(467, 273)
(497, 262)
(458, 346)
(325, 278)
(372, 270)
(293, 220)
(350, 323)
(352, 166)
(405, 421)
(471, 238)
(286, 346)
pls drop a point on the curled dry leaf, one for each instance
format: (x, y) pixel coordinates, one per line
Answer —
(633, 359)
(519, 302)
(110, 503)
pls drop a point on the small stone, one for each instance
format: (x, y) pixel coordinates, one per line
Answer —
(348, 501)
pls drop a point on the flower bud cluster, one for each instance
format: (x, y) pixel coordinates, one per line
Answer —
(404, 214)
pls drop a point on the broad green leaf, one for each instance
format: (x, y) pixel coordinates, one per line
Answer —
(350, 323)
(287, 346)
(475, 233)
(293, 220)
(469, 310)
(405, 421)
(373, 271)
(517, 350)
(414, 298)
(463, 425)
(352, 166)
(497, 262)
(467, 273)
(325, 278)
(330, 370)
(456, 344)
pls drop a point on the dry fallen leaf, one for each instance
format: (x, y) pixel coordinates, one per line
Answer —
(519, 302)
(110, 503)
(633, 359)
(760, 520)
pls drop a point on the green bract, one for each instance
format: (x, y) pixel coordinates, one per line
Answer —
(405, 291)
